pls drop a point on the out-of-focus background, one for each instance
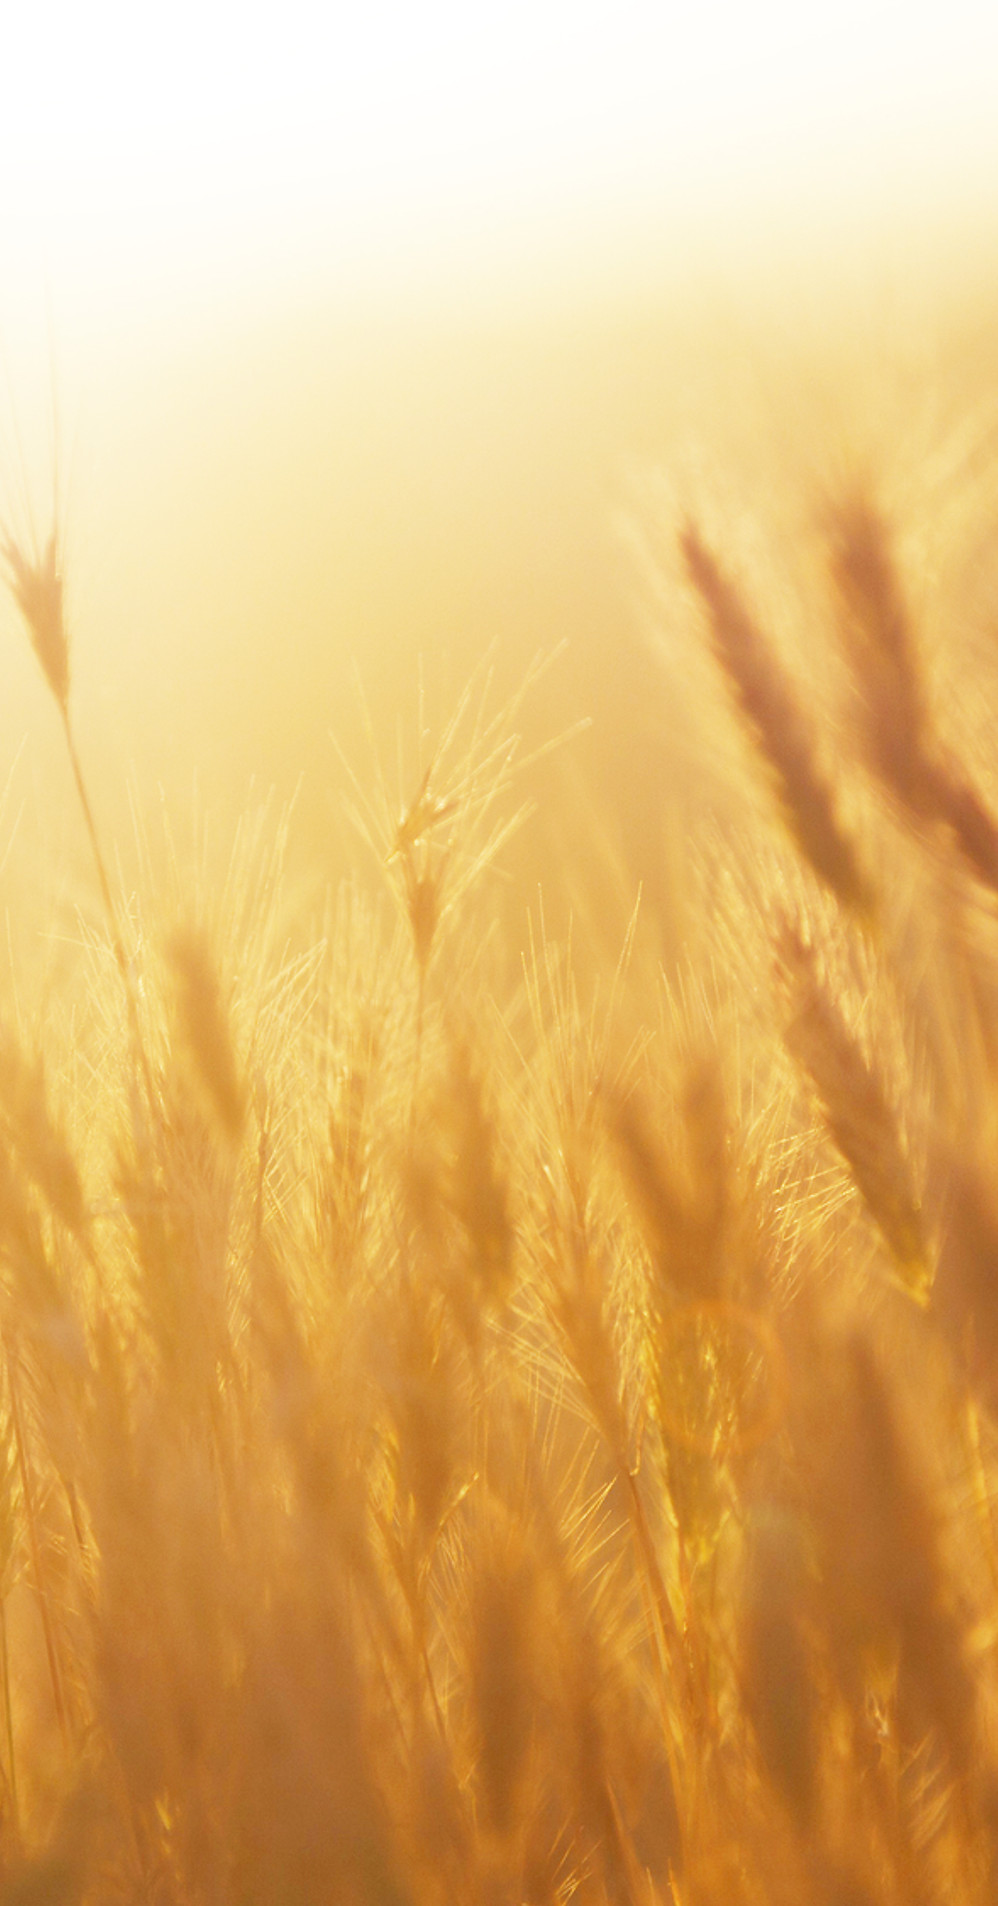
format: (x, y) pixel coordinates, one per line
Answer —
(353, 346)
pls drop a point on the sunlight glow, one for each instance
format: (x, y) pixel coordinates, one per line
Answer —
(177, 140)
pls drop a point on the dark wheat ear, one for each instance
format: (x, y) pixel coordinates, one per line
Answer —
(781, 730)
(875, 621)
(902, 739)
(857, 1111)
(35, 582)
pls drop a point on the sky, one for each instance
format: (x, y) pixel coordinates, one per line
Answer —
(190, 148)
(259, 329)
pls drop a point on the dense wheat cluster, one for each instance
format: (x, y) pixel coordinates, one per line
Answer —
(463, 1443)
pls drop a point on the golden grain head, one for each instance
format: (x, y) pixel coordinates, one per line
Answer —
(36, 585)
(782, 730)
(205, 1029)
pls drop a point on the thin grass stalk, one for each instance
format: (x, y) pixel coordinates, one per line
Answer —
(110, 912)
(41, 1593)
(979, 1484)
(669, 1652)
(8, 1720)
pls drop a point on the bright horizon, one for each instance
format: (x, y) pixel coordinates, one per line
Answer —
(203, 152)
(348, 344)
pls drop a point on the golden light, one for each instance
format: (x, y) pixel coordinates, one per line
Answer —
(149, 147)
(352, 317)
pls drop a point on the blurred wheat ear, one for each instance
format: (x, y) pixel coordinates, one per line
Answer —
(204, 1025)
(36, 586)
(903, 744)
(35, 581)
(782, 732)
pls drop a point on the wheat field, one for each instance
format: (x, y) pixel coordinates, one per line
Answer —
(498, 1420)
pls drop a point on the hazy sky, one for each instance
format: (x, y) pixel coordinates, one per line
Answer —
(192, 143)
(274, 461)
